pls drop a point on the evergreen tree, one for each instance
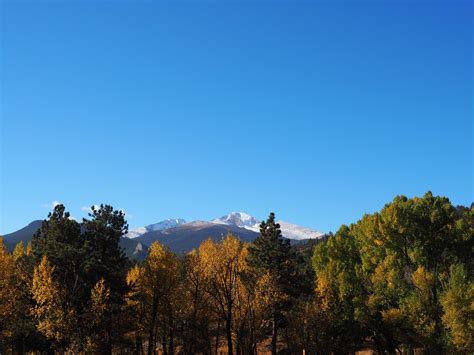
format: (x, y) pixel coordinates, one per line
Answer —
(80, 256)
(272, 255)
(61, 241)
(106, 264)
(105, 258)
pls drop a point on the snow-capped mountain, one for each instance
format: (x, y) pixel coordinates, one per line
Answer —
(165, 224)
(293, 231)
(233, 219)
(288, 230)
(239, 219)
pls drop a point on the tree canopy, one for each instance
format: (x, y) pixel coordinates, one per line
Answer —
(397, 281)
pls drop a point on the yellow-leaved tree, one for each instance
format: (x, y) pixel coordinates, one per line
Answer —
(223, 265)
(8, 295)
(458, 306)
(100, 319)
(154, 293)
(50, 311)
(196, 310)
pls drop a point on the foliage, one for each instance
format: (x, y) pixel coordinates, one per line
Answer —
(397, 281)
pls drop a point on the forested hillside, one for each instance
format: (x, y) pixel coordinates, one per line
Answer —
(396, 281)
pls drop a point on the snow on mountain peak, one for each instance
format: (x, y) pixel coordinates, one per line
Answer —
(239, 219)
(165, 224)
(293, 231)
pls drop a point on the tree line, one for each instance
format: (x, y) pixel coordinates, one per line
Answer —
(398, 281)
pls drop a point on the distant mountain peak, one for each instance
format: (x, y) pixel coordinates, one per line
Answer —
(233, 219)
(162, 225)
(239, 219)
(293, 231)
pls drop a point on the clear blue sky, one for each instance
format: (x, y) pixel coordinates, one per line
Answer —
(319, 111)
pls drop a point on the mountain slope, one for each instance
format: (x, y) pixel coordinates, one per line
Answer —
(293, 231)
(24, 234)
(239, 219)
(188, 236)
(288, 230)
(130, 247)
(165, 224)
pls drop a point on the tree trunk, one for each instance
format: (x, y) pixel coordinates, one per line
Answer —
(217, 336)
(274, 334)
(228, 330)
(163, 341)
(151, 331)
(138, 344)
(171, 343)
(151, 341)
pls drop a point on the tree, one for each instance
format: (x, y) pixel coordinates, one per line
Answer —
(197, 316)
(136, 306)
(101, 319)
(26, 336)
(61, 241)
(153, 288)
(55, 318)
(339, 292)
(404, 249)
(79, 257)
(272, 254)
(223, 264)
(105, 258)
(8, 296)
(458, 309)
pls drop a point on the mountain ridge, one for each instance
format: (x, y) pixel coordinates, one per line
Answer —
(181, 236)
(237, 219)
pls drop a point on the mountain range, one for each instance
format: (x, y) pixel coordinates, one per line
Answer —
(181, 236)
(240, 220)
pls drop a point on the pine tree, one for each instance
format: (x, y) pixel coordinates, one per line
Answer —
(105, 258)
(80, 256)
(271, 254)
(61, 241)
(106, 263)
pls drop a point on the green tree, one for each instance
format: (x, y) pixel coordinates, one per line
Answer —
(271, 254)
(340, 293)
(80, 255)
(105, 258)
(61, 241)
(106, 264)
(458, 305)
(404, 249)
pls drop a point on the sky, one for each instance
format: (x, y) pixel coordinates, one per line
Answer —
(319, 111)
